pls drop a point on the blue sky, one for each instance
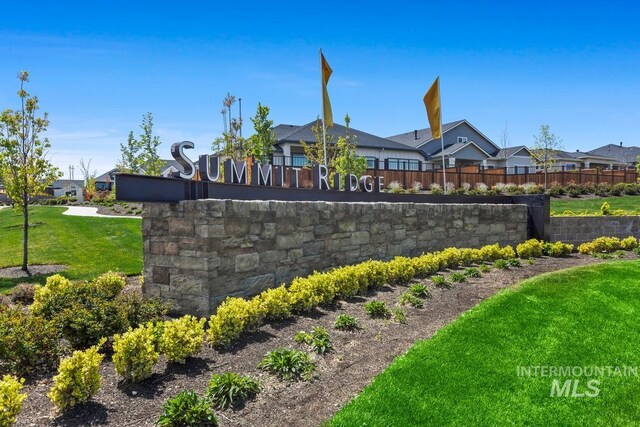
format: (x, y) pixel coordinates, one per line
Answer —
(97, 69)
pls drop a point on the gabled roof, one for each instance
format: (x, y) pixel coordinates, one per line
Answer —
(424, 135)
(107, 176)
(292, 133)
(452, 149)
(621, 154)
(62, 183)
(507, 152)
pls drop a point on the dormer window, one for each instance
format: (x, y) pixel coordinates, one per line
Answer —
(462, 139)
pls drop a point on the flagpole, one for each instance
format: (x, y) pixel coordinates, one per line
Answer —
(324, 132)
(444, 172)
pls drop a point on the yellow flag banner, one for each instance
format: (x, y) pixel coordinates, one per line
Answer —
(326, 104)
(432, 103)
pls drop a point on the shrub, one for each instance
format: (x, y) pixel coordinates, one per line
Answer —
(458, 277)
(605, 209)
(26, 341)
(275, 303)
(135, 353)
(557, 249)
(399, 315)
(555, 191)
(24, 293)
(182, 338)
(532, 248)
(410, 298)
(436, 188)
(303, 337)
(78, 378)
(230, 389)
(320, 341)
(419, 290)
(513, 262)
(186, 409)
(111, 283)
(400, 270)
(288, 364)
(376, 308)
(484, 268)
(490, 253)
(472, 272)
(603, 189)
(346, 323)
(631, 189)
(312, 291)
(233, 317)
(10, 399)
(140, 310)
(425, 265)
(629, 243)
(600, 245)
(507, 252)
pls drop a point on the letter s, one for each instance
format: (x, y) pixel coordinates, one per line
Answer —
(592, 385)
(177, 151)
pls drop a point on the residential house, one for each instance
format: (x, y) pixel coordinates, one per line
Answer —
(380, 153)
(625, 155)
(67, 187)
(464, 145)
(106, 181)
(580, 160)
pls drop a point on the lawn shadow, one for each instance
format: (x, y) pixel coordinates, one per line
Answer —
(8, 283)
(90, 413)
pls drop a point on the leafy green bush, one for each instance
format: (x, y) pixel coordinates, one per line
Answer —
(557, 249)
(26, 341)
(472, 272)
(275, 303)
(135, 353)
(419, 290)
(439, 280)
(410, 298)
(318, 339)
(187, 409)
(182, 338)
(111, 283)
(600, 245)
(484, 268)
(78, 378)
(140, 311)
(288, 364)
(400, 271)
(629, 243)
(376, 308)
(458, 277)
(513, 262)
(230, 389)
(532, 248)
(233, 317)
(501, 264)
(10, 399)
(399, 315)
(346, 323)
(24, 293)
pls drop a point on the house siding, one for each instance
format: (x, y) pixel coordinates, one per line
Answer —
(451, 137)
(469, 153)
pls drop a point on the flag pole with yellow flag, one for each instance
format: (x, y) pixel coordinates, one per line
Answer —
(327, 116)
(432, 103)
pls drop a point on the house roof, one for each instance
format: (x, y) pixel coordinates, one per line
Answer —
(61, 183)
(452, 149)
(579, 156)
(107, 176)
(622, 154)
(507, 152)
(293, 133)
(423, 136)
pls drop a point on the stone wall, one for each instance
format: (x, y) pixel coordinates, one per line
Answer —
(580, 229)
(196, 253)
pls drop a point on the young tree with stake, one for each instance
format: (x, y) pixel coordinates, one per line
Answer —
(545, 147)
(25, 171)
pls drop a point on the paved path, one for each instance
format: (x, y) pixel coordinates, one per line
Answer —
(87, 211)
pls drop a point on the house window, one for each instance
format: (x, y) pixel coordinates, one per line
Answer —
(462, 139)
(403, 164)
(371, 162)
(298, 160)
(277, 160)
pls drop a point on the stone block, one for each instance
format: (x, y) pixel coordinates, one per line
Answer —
(246, 262)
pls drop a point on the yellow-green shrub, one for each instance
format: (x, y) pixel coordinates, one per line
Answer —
(42, 304)
(182, 338)
(111, 283)
(600, 245)
(276, 303)
(347, 281)
(629, 243)
(233, 317)
(10, 399)
(449, 258)
(135, 354)
(507, 252)
(374, 272)
(557, 249)
(490, 253)
(532, 248)
(309, 292)
(425, 265)
(78, 378)
(400, 270)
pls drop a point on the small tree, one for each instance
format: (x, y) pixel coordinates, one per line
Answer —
(260, 145)
(315, 152)
(638, 167)
(24, 169)
(545, 147)
(141, 156)
(230, 144)
(346, 160)
(89, 179)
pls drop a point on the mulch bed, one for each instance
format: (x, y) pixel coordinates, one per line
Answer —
(357, 358)
(35, 270)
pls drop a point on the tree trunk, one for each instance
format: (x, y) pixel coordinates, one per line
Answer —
(25, 235)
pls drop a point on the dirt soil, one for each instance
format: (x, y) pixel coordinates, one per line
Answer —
(35, 270)
(357, 358)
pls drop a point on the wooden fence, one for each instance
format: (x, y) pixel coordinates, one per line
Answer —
(476, 174)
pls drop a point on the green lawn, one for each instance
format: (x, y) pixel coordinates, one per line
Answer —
(89, 246)
(467, 373)
(628, 203)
